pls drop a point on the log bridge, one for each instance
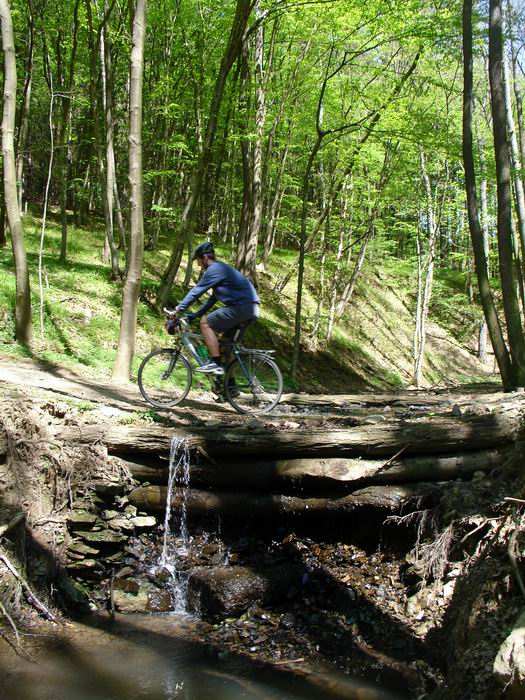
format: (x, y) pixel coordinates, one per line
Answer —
(331, 464)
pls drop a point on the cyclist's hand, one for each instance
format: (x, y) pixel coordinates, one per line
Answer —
(170, 313)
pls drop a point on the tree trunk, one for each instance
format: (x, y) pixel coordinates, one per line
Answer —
(331, 474)
(248, 264)
(302, 253)
(94, 43)
(106, 62)
(273, 216)
(246, 157)
(247, 505)
(23, 126)
(347, 191)
(516, 167)
(425, 279)
(504, 218)
(478, 245)
(23, 333)
(441, 435)
(130, 296)
(516, 84)
(66, 89)
(187, 225)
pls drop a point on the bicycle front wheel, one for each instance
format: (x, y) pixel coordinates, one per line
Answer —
(164, 377)
(253, 383)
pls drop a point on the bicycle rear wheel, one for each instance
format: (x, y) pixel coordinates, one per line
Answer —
(164, 377)
(253, 383)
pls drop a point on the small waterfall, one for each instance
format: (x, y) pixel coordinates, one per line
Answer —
(179, 476)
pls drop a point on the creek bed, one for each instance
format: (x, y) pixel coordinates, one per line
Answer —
(160, 658)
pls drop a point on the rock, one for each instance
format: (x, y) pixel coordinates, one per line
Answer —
(110, 514)
(144, 521)
(231, 590)
(103, 536)
(160, 601)
(509, 665)
(130, 602)
(131, 596)
(374, 420)
(78, 547)
(81, 520)
(456, 411)
(82, 565)
(120, 524)
(74, 593)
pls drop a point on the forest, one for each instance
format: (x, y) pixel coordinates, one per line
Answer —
(356, 527)
(338, 133)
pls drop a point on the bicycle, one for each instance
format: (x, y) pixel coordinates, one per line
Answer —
(252, 382)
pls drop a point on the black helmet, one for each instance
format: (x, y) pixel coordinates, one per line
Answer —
(203, 249)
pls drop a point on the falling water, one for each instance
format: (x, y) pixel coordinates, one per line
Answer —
(179, 476)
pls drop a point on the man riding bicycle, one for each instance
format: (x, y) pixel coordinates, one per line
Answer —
(229, 286)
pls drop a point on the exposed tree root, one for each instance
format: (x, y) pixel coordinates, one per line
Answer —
(29, 593)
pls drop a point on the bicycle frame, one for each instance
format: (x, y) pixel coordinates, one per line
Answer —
(186, 338)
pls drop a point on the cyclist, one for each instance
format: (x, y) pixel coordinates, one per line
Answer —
(228, 286)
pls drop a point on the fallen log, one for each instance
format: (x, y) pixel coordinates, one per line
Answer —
(249, 505)
(326, 472)
(407, 400)
(440, 435)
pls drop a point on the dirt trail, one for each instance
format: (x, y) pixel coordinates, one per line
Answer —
(26, 373)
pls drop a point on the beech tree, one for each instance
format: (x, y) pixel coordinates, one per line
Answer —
(23, 330)
(516, 338)
(130, 296)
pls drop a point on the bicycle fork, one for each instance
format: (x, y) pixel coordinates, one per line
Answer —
(173, 361)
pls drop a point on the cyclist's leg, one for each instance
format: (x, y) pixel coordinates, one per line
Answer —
(225, 321)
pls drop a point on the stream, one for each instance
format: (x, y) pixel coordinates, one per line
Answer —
(159, 658)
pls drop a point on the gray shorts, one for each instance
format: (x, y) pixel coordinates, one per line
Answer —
(230, 316)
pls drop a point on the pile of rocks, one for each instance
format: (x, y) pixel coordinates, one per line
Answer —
(99, 537)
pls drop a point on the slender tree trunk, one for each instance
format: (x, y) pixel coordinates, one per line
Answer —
(107, 102)
(483, 330)
(516, 165)
(302, 253)
(273, 215)
(338, 259)
(94, 43)
(322, 281)
(130, 296)
(3, 233)
(248, 265)
(425, 279)
(480, 257)
(23, 127)
(504, 219)
(246, 157)
(516, 85)
(348, 291)
(66, 88)
(23, 292)
(187, 225)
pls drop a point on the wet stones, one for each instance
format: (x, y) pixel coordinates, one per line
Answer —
(230, 590)
(100, 537)
(132, 596)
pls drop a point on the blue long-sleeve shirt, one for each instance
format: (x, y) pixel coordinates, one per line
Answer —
(229, 286)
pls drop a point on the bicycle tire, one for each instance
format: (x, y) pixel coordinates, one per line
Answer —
(253, 383)
(164, 380)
